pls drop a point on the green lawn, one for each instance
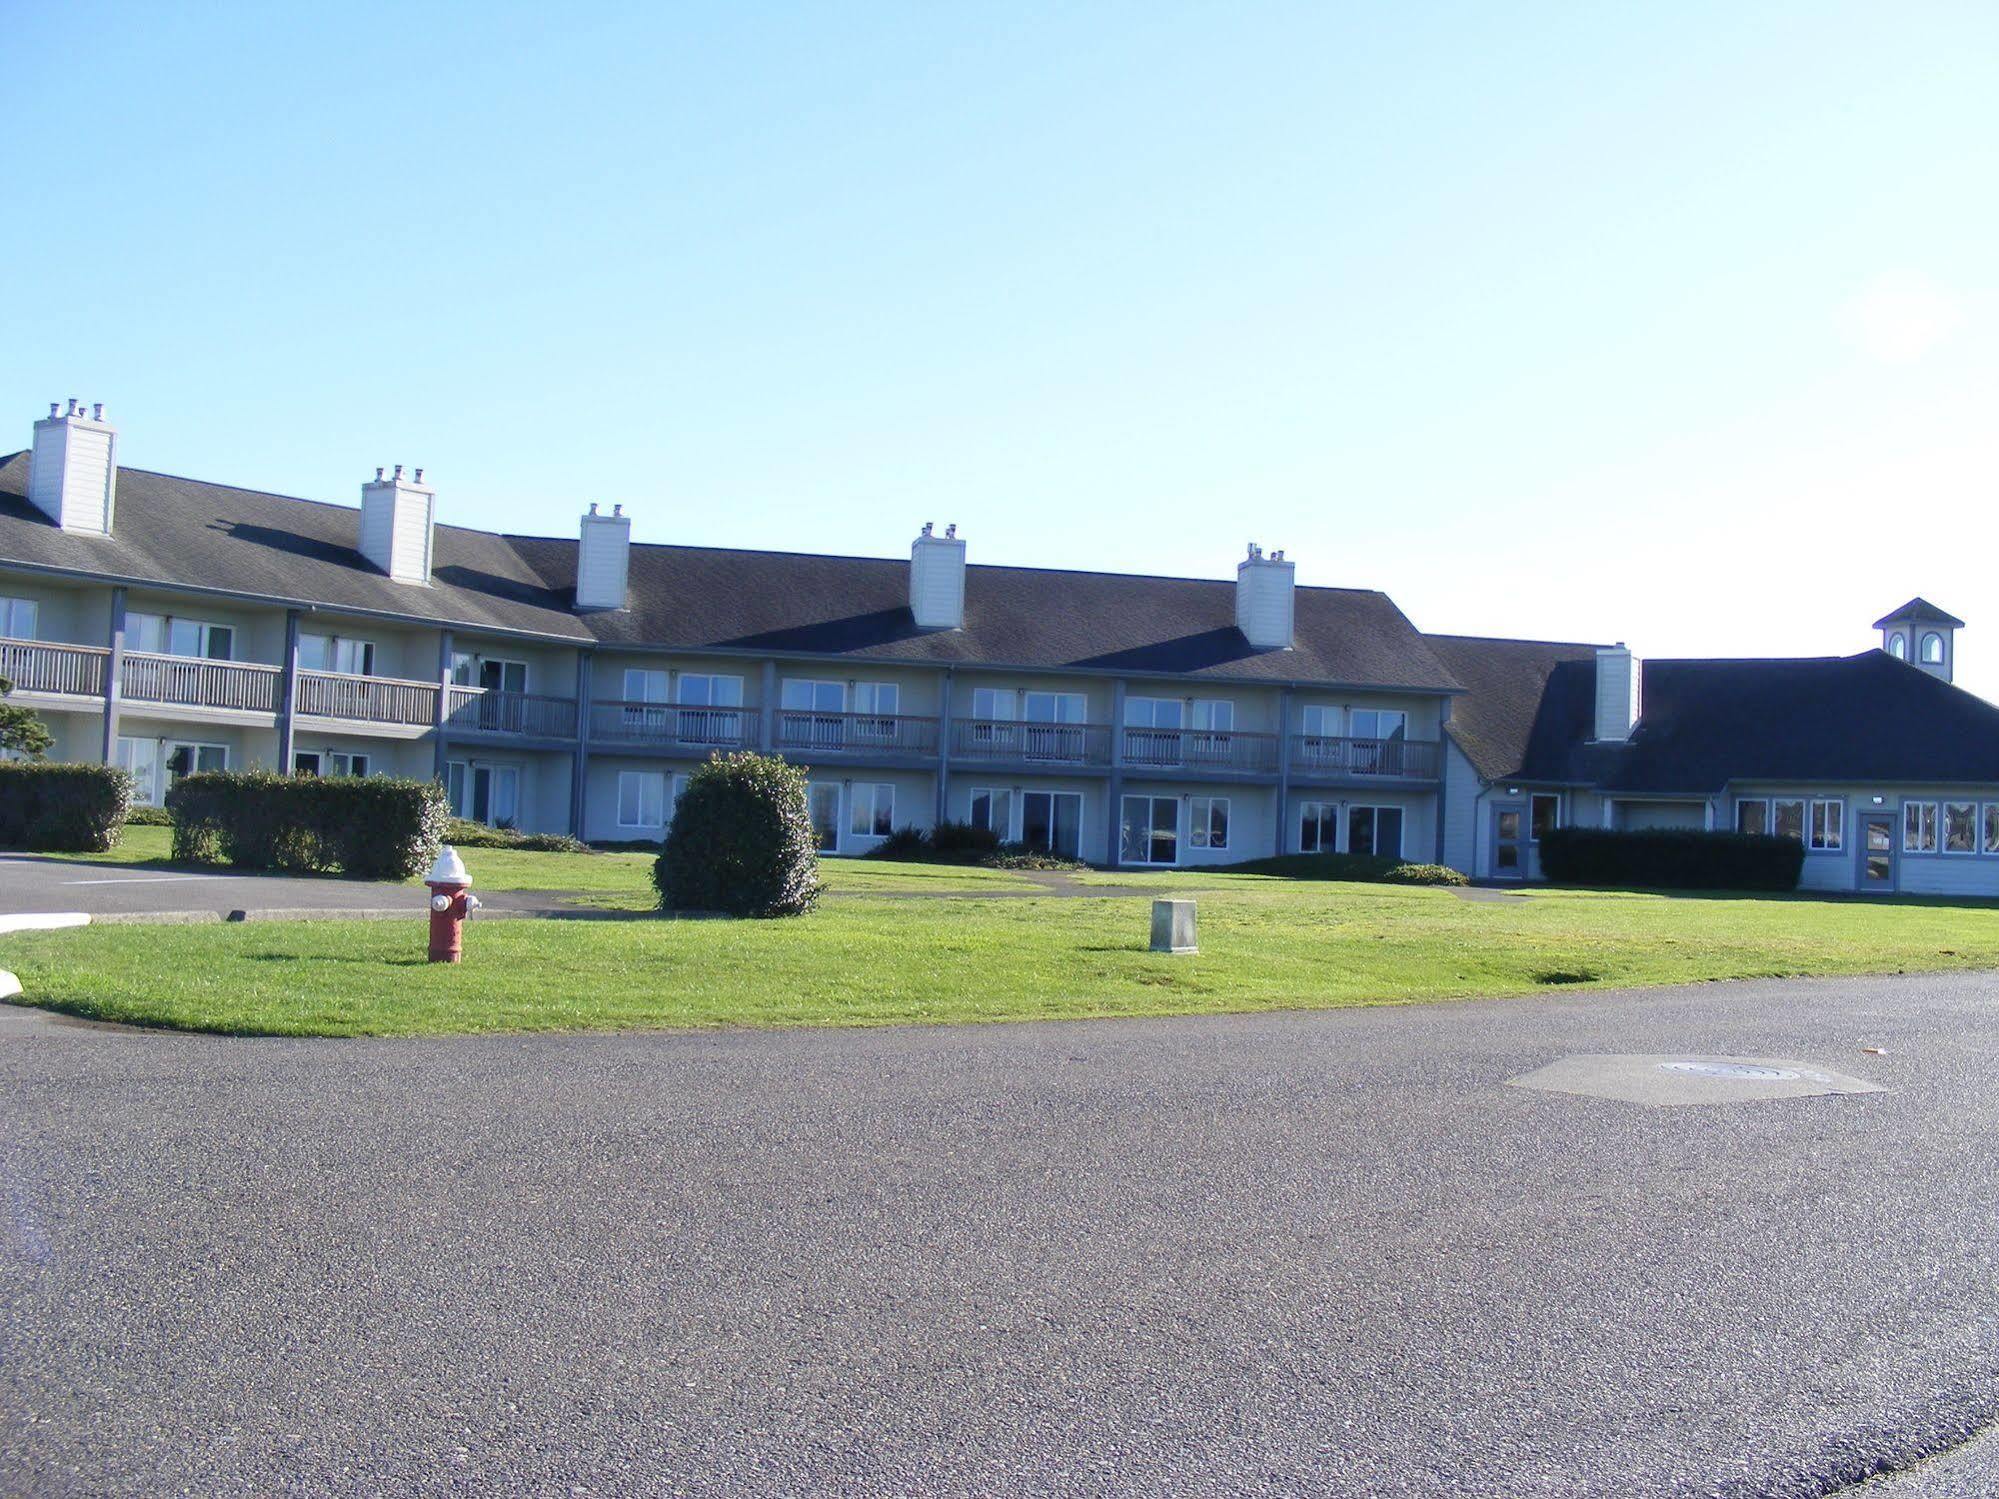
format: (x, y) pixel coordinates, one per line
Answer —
(616, 881)
(864, 960)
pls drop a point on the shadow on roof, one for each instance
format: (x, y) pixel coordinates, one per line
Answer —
(856, 632)
(1184, 653)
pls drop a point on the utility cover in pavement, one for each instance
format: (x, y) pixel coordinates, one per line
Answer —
(1665, 1080)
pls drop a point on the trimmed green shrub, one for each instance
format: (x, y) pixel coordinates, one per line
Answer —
(741, 841)
(1020, 856)
(1365, 869)
(143, 816)
(373, 828)
(903, 843)
(1671, 859)
(462, 834)
(67, 809)
(962, 843)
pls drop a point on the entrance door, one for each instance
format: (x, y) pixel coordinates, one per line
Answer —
(823, 798)
(1150, 831)
(1877, 852)
(1509, 843)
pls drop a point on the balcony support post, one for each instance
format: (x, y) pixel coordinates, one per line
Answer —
(288, 697)
(1283, 770)
(441, 751)
(1114, 814)
(579, 774)
(114, 670)
(767, 709)
(944, 749)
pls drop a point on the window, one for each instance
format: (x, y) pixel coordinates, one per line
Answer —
(679, 790)
(499, 675)
(1379, 723)
(1055, 724)
(992, 808)
(141, 757)
(717, 703)
(1208, 822)
(1375, 830)
(799, 695)
(17, 619)
(1960, 828)
(1506, 840)
(1052, 822)
(1379, 732)
(1544, 815)
(1828, 825)
(146, 633)
(641, 799)
(354, 658)
(644, 685)
(1898, 646)
(341, 763)
(1752, 816)
(1992, 827)
(1152, 729)
(1318, 828)
(1787, 819)
(305, 763)
(699, 690)
(455, 779)
(992, 703)
(159, 634)
(1933, 649)
(876, 705)
(186, 757)
(823, 799)
(483, 793)
(1214, 714)
(871, 809)
(809, 714)
(1919, 827)
(1149, 830)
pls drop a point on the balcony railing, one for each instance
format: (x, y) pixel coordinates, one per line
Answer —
(673, 725)
(1390, 759)
(808, 733)
(476, 710)
(1017, 743)
(1200, 749)
(194, 682)
(330, 694)
(37, 666)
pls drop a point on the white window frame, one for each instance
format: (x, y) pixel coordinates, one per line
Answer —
(1318, 815)
(1533, 800)
(1762, 818)
(827, 839)
(1990, 813)
(1825, 825)
(999, 800)
(1970, 812)
(1055, 798)
(869, 797)
(333, 757)
(169, 747)
(645, 786)
(19, 618)
(1930, 638)
(1151, 835)
(1924, 839)
(315, 756)
(1898, 646)
(1374, 831)
(360, 653)
(1201, 822)
(1777, 806)
(1212, 715)
(646, 684)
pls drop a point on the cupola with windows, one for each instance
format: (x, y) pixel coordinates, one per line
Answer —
(1923, 635)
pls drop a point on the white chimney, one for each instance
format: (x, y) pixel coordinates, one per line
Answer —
(1617, 679)
(398, 516)
(73, 468)
(603, 559)
(1266, 591)
(937, 580)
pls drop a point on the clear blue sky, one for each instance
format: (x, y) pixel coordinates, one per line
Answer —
(1674, 324)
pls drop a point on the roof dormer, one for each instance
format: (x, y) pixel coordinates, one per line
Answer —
(1922, 635)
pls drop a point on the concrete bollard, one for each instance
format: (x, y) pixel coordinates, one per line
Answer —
(1173, 926)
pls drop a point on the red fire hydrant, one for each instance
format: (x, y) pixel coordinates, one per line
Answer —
(451, 901)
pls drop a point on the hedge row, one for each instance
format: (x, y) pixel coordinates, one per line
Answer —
(962, 843)
(1671, 859)
(1363, 869)
(375, 828)
(67, 809)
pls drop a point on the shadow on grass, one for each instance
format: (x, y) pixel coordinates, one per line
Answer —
(1808, 897)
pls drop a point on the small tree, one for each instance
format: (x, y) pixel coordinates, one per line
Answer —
(741, 841)
(20, 729)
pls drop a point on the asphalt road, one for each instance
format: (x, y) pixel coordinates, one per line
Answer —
(1327, 1253)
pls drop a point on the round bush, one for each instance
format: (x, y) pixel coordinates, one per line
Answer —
(741, 841)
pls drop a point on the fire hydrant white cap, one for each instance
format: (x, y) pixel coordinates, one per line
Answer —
(449, 869)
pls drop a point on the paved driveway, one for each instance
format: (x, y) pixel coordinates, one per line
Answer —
(1326, 1253)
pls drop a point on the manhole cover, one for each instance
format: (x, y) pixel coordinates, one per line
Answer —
(1740, 1071)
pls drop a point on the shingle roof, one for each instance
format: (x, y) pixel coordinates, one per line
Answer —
(181, 532)
(1866, 718)
(191, 534)
(1919, 611)
(1526, 702)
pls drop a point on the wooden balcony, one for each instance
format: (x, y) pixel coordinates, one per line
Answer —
(477, 710)
(193, 682)
(673, 726)
(59, 670)
(855, 735)
(1012, 742)
(1197, 750)
(1323, 757)
(386, 700)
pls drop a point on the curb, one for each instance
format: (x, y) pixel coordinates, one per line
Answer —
(43, 921)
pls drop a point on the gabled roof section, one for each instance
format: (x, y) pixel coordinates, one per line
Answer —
(1527, 704)
(1919, 611)
(695, 598)
(1867, 718)
(185, 533)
